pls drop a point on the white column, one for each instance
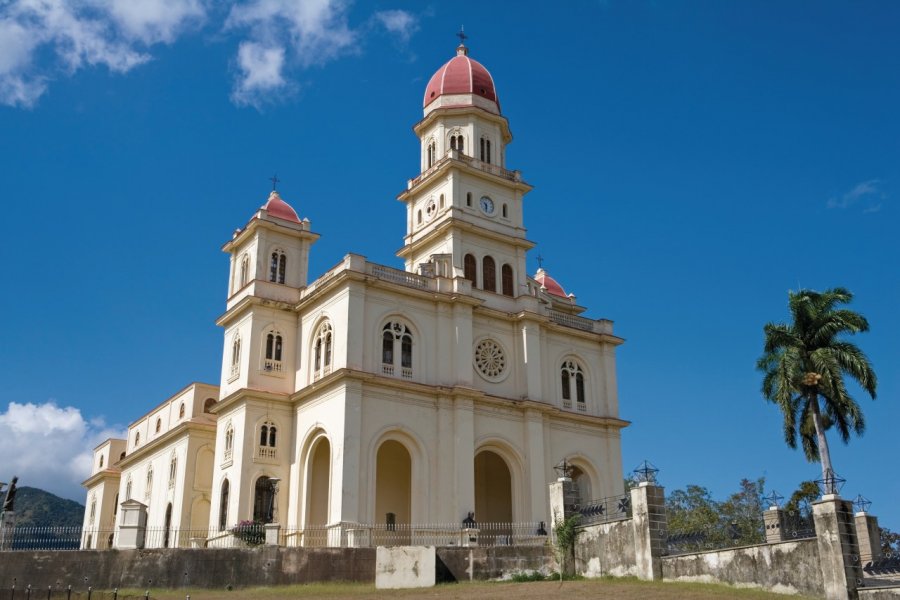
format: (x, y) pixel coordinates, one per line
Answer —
(465, 457)
(535, 505)
(531, 353)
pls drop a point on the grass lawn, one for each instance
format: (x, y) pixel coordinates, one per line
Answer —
(624, 589)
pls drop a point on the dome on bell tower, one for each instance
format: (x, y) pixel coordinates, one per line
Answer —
(461, 81)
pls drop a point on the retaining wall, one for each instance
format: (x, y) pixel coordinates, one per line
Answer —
(786, 567)
(606, 549)
(884, 593)
(216, 568)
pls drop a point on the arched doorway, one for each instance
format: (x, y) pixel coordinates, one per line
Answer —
(262, 500)
(168, 527)
(318, 482)
(493, 496)
(393, 491)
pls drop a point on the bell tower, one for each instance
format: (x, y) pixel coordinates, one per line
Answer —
(465, 208)
(269, 267)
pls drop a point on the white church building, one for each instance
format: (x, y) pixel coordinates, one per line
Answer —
(377, 395)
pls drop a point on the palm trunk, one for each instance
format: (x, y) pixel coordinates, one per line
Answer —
(822, 443)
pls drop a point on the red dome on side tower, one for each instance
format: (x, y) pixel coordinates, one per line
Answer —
(461, 75)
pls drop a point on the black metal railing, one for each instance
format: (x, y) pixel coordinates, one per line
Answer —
(602, 510)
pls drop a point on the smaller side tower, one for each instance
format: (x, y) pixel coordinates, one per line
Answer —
(269, 266)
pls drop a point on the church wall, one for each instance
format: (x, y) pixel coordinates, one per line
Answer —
(230, 382)
(593, 358)
(283, 322)
(103, 497)
(296, 254)
(334, 308)
(594, 449)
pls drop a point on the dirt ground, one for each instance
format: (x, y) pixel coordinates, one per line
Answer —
(612, 588)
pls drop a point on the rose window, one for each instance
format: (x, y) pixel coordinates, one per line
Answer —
(490, 359)
(430, 210)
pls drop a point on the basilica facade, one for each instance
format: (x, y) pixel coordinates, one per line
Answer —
(372, 394)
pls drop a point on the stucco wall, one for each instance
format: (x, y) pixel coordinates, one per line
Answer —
(465, 564)
(885, 593)
(606, 549)
(788, 567)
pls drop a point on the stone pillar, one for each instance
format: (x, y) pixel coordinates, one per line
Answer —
(838, 548)
(273, 532)
(648, 505)
(562, 507)
(7, 529)
(773, 520)
(868, 535)
(134, 525)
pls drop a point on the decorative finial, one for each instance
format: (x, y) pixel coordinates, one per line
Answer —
(645, 472)
(461, 50)
(274, 179)
(862, 503)
(774, 499)
(540, 260)
(564, 469)
(462, 36)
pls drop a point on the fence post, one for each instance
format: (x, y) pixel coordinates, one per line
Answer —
(838, 547)
(69, 592)
(868, 535)
(773, 519)
(650, 526)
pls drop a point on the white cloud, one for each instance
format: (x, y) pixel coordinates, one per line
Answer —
(110, 33)
(306, 33)
(154, 21)
(865, 191)
(398, 22)
(261, 73)
(50, 447)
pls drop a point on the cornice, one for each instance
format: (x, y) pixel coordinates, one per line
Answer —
(183, 429)
(108, 474)
(452, 223)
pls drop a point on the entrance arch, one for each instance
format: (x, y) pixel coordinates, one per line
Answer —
(582, 484)
(263, 499)
(393, 489)
(493, 489)
(318, 492)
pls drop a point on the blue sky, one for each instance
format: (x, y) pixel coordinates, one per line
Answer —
(692, 162)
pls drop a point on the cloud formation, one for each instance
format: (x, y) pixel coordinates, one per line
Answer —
(866, 193)
(398, 22)
(87, 33)
(50, 447)
(277, 36)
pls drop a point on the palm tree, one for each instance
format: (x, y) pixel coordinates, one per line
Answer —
(807, 360)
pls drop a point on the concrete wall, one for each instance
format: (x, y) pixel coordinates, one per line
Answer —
(174, 568)
(885, 593)
(217, 568)
(787, 567)
(606, 549)
(468, 564)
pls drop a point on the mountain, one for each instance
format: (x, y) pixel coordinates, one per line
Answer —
(35, 507)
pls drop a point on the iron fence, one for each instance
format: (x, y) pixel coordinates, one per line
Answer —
(603, 510)
(248, 535)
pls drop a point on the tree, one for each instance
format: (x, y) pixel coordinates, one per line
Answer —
(807, 360)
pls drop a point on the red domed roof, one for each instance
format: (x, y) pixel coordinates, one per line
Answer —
(461, 75)
(553, 288)
(277, 207)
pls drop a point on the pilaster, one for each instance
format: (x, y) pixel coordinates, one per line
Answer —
(838, 547)
(650, 525)
(868, 536)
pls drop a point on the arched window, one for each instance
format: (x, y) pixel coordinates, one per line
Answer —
(396, 342)
(457, 143)
(245, 271)
(149, 487)
(322, 350)
(101, 462)
(419, 218)
(267, 438)
(489, 274)
(470, 269)
(181, 411)
(158, 424)
(121, 456)
(137, 439)
(128, 488)
(506, 278)
(442, 201)
(469, 199)
(93, 509)
(505, 211)
(223, 506)
(485, 148)
(236, 356)
(173, 470)
(229, 442)
(432, 153)
(277, 267)
(208, 404)
(273, 352)
(572, 376)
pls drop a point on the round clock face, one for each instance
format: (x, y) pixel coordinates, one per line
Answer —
(487, 205)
